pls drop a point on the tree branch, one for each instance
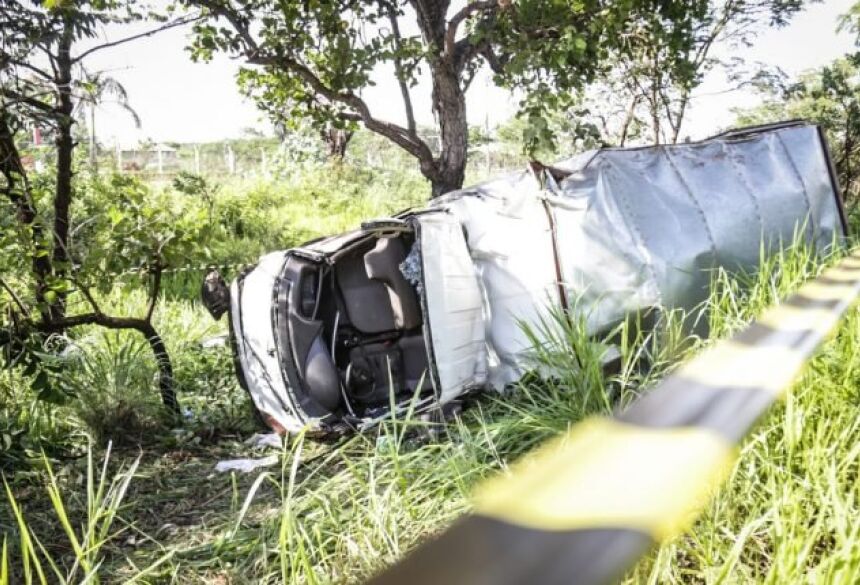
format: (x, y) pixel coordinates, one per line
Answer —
(172, 24)
(15, 297)
(629, 116)
(154, 291)
(467, 81)
(459, 17)
(30, 101)
(40, 72)
(255, 56)
(496, 63)
(397, 134)
(398, 70)
(89, 297)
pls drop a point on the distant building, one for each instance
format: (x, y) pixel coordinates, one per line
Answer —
(34, 144)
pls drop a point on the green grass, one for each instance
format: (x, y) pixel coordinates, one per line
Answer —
(339, 512)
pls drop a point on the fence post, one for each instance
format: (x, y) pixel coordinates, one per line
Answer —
(231, 160)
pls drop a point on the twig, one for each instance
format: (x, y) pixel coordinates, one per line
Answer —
(14, 297)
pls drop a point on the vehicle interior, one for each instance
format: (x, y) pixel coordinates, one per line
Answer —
(368, 327)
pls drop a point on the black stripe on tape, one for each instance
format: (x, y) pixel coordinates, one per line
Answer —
(478, 550)
(762, 335)
(800, 301)
(680, 402)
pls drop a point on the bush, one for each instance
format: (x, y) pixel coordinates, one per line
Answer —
(110, 375)
(262, 216)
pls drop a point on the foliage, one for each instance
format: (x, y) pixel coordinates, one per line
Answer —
(128, 227)
(30, 426)
(645, 97)
(312, 60)
(572, 131)
(42, 83)
(829, 96)
(850, 21)
(265, 215)
(553, 74)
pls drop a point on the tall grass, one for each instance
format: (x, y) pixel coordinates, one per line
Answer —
(266, 215)
(339, 512)
(784, 516)
(35, 560)
(108, 375)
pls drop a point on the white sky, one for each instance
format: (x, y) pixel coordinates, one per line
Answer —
(182, 101)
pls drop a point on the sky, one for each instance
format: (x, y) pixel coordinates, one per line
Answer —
(182, 101)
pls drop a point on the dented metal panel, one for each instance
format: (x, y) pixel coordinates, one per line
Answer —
(642, 228)
(452, 294)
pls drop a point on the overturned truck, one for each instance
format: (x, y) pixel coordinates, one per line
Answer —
(417, 310)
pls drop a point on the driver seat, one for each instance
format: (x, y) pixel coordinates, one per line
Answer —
(382, 264)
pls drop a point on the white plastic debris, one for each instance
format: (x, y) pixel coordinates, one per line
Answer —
(265, 440)
(245, 465)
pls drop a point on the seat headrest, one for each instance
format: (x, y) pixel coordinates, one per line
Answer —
(383, 264)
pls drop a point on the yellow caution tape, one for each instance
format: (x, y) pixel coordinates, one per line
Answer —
(605, 473)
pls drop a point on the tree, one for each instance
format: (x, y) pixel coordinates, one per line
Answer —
(95, 89)
(572, 130)
(829, 96)
(39, 87)
(649, 92)
(336, 140)
(311, 60)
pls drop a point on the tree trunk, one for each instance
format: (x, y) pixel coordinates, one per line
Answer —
(93, 146)
(336, 140)
(447, 171)
(65, 148)
(449, 105)
(679, 117)
(655, 113)
(654, 98)
(628, 120)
